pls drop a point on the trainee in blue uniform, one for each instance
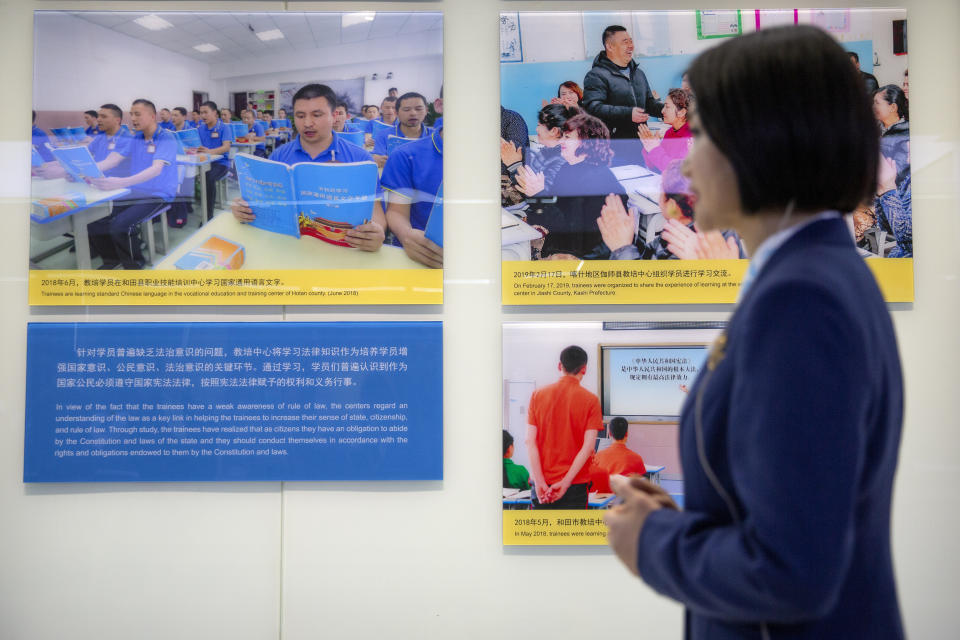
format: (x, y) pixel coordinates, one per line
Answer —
(414, 172)
(91, 131)
(259, 131)
(116, 237)
(103, 144)
(213, 137)
(40, 140)
(380, 138)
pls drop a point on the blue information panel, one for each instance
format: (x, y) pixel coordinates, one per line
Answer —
(234, 401)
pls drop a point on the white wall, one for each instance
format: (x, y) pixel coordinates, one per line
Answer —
(423, 75)
(265, 561)
(80, 65)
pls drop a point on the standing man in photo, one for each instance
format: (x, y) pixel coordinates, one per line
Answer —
(563, 420)
(616, 91)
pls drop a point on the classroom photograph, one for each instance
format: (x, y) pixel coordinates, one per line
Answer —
(586, 400)
(243, 141)
(595, 126)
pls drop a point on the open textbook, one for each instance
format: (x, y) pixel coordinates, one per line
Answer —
(322, 200)
(78, 162)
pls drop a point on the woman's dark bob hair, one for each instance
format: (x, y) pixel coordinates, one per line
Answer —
(791, 114)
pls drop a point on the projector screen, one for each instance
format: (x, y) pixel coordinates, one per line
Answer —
(648, 383)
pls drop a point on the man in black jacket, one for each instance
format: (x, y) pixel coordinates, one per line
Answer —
(616, 89)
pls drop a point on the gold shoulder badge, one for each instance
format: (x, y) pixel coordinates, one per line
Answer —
(717, 351)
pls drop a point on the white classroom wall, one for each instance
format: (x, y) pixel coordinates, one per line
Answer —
(74, 55)
(422, 75)
(299, 561)
(565, 36)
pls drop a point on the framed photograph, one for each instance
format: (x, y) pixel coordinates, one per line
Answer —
(236, 158)
(600, 134)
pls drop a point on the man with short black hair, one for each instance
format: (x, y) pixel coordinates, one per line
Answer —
(616, 89)
(869, 80)
(617, 459)
(179, 119)
(563, 420)
(90, 118)
(165, 121)
(411, 112)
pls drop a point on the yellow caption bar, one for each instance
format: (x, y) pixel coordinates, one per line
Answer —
(548, 527)
(327, 287)
(658, 281)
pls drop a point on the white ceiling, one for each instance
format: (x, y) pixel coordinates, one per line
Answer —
(232, 31)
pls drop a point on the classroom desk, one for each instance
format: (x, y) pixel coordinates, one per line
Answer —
(653, 472)
(268, 250)
(202, 166)
(99, 204)
(641, 185)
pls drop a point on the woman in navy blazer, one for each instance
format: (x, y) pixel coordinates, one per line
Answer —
(789, 436)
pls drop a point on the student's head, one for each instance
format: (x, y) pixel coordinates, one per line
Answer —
(281, 114)
(507, 444)
(109, 117)
(906, 83)
(570, 93)
(618, 428)
(313, 107)
(573, 360)
(178, 115)
(388, 108)
(676, 201)
(143, 114)
(854, 59)
(90, 117)
(209, 112)
(685, 82)
(372, 112)
(890, 104)
(618, 45)
(677, 107)
(586, 139)
(812, 142)
(438, 103)
(226, 115)
(411, 109)
(195, 115)
(392, 92)
(550, 123)
(165, 115)
(34, 121)
(339, 115)
(246, 116)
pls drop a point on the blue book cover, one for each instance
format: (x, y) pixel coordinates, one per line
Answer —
(281, 123)
(238, 129)
(434, 229)
(189, 138)
(377, 125)
(62, 134)
(353, 137)
(77, 162)
(395, 142)
(323, 200)
(78, 134)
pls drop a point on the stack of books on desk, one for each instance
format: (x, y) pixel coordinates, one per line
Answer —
(57, 205)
